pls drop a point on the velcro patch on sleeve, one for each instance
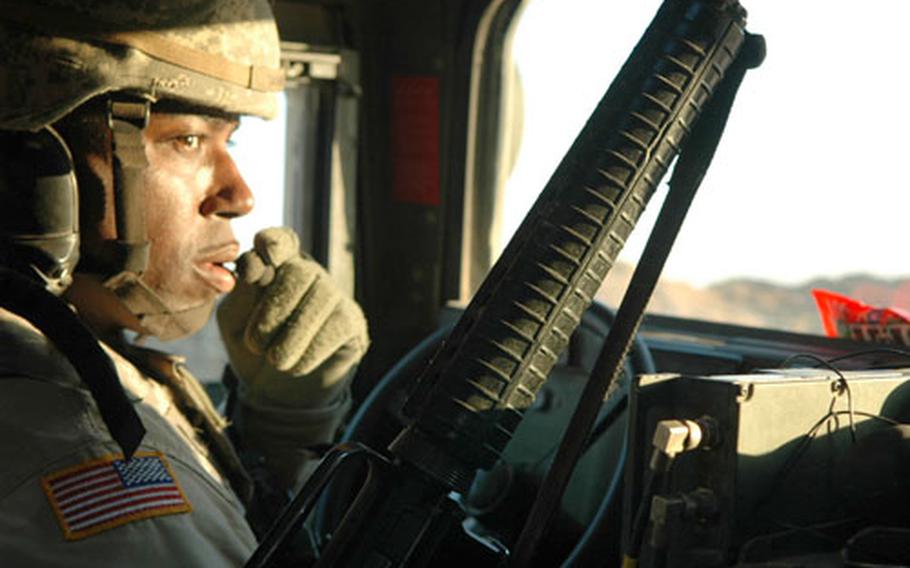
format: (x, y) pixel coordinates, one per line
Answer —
(105, 493)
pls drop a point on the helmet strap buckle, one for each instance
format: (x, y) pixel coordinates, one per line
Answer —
(135, 111)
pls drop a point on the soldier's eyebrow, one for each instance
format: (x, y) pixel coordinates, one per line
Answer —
(218, 122)
(169, 106)
(195, 121)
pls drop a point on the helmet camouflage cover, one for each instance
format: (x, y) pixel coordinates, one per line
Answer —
(57, 54)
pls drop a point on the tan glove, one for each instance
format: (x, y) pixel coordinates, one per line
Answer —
(291, 335)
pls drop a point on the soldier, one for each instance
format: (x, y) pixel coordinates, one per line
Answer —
(127, 109)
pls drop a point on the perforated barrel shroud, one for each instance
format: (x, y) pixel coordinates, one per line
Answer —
(472, 397)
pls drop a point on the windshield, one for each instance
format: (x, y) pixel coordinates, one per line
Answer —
(802, 192)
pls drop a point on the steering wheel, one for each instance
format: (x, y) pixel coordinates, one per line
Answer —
(495, 494)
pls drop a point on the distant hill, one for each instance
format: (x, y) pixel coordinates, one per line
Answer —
(757, 303)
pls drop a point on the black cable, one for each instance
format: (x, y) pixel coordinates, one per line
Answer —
(880, 350)
(824, 363)
(905, 353)
(842, 381)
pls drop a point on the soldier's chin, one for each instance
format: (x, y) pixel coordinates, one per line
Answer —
(177, 323)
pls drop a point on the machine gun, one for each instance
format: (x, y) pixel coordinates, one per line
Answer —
(469, 400)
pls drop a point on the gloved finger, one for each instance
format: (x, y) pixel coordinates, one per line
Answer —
(343, 332)
(307, 321)
(251, 269)
(279, 300)
(276, 245)
(234, 310)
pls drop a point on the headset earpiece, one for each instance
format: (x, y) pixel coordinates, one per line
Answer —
(39, 216)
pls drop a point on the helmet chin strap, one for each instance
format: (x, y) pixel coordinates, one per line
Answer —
(127, 119)
(153, 313)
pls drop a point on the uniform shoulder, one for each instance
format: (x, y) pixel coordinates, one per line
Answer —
(25, 351)
(44, 409)
(39, 421)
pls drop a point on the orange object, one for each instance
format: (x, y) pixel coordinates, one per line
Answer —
(843, 316)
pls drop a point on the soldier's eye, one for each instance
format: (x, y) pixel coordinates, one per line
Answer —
(188, 142)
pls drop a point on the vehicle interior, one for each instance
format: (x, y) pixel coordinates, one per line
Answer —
(712, 441)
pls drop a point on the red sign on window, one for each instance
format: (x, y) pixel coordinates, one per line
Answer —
(415, 139)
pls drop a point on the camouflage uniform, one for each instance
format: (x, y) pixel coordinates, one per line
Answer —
(50, 428)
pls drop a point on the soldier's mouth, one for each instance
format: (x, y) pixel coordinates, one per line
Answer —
(230, 267)
(216, 266)
(217, 276)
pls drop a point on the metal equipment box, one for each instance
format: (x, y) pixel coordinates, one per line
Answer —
(780, 476)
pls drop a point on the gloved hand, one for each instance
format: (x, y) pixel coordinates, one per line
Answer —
(291, 335)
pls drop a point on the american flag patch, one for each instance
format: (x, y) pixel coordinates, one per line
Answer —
(102, 494)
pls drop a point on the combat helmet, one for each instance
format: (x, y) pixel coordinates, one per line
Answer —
(56, 55)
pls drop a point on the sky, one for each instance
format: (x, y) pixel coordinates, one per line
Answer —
(806, 181)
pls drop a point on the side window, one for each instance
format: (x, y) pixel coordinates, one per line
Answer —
(804, 191)
(260, 153)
